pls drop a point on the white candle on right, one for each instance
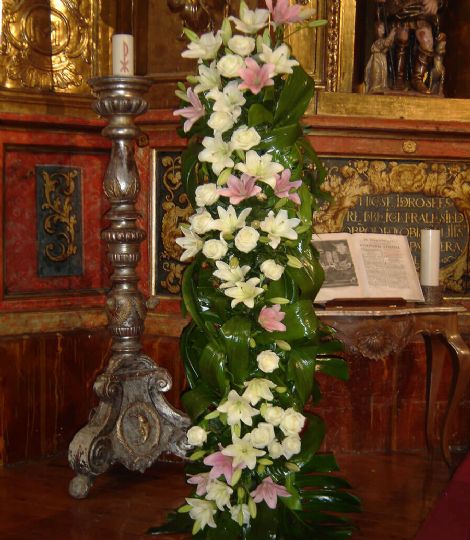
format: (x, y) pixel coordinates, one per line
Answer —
(430, 257)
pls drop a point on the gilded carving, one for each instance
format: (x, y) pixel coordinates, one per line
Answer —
(176, 209)
(61, 221)
(348, 181)
(332, 46)
(46, 45)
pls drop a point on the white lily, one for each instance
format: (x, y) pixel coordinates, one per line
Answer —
(241, 514)
(243, 452)
(204, 48)
(279, 226)
(208, 78)
(229, 100)
(219, 492)
(230, 275)
(261, 167)
(202, 512)
(237, 409)
(217, 152)
(279, 57)
(257, 389)
(191, 243)
(244, 292)
(228, 221)
(250, 21)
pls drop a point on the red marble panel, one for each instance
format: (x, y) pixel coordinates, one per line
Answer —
(20, 255)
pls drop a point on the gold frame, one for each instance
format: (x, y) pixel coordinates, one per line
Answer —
(69, 101)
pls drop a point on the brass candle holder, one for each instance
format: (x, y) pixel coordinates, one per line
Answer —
(133, 423)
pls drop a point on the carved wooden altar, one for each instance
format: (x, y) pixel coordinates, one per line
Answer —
(378, 332)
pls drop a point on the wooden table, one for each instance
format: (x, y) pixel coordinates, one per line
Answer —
(377, 332)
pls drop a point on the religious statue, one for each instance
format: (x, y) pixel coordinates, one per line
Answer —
(200, 15)
(376, 72)
(418, 50)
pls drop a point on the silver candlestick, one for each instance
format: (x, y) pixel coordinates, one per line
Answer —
(133, 423)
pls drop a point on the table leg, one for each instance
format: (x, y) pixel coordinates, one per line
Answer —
(462, 380)
(435, 355)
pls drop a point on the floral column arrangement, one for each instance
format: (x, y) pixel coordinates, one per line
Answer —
(254, 344)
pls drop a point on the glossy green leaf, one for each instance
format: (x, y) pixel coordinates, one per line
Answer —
(197, 400)
(188, 292)
(257, 114)
(300, 320)
(192, 342)
(175, 523)
(333, 366)
(302, 368)
(294, 97)
(280, 138)
(320, 463)
(212, 367)
(328, 501)
(311, 440)
(189, 161)
(320, 480)
(264, 526)
(236, 333)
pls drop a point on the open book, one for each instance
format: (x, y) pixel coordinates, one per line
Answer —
(366, 265)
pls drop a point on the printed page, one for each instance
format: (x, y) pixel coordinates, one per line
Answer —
(340, 263)
(388, 266)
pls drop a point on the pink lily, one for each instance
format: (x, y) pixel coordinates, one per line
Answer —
(221, 465)
(192, 113)
(256, 77)
(240, 189)
(268, 491)
(270, 318)
(283, 13)
(283, 186)
(200, 480)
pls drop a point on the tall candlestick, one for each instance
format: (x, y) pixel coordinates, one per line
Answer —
(430, 257)
(123, 55)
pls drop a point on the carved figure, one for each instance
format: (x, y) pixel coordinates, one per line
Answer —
(376, 72)
(420, 18)
(200, 15)
(437, 76)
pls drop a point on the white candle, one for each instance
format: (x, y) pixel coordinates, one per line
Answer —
(430, 257)
(123, 55)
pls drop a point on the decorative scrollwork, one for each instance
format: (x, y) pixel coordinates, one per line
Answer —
(61, 220)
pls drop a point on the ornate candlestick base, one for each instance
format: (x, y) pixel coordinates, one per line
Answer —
(432, 294)
(133, 423)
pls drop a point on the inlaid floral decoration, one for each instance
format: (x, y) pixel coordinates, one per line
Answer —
(255, 343)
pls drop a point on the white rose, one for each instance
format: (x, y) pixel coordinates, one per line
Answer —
(229, 65)
(262, 435)
(215, 249)
(268, 361)
(275, 449)
(244, 138)
(242, 45)
(271, 269)
(292, 422)
(291, 445)
(207, 194)
(221, 121)
(197, 436)
(273, 414)
(246, 239)
(201, 222)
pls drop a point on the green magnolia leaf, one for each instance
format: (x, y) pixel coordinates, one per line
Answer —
(300, 320)
(311, 440)
(327, 501)
(212, 367)
(237, 333)
(175, 523)
(189, 161)
(280, 138)
(188, 292)
(302, 369)
(265, 525)
(294, 97)
(320, 463)
(198, 400)
(192, 342)
(257, 115)
(320, 480)
(334, 366)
